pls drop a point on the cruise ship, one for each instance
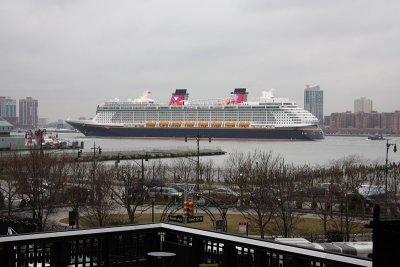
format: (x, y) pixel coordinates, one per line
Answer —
(235, 117)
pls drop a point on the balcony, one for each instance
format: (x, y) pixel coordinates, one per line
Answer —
(129, 245)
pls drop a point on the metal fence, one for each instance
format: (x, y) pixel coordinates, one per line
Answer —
(130, 245)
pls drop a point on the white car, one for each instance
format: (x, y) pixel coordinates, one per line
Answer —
(367, 190)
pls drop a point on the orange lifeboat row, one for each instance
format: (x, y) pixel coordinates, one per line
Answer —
(203, 123)
(163, 123)
(176, 123)
(244, 124)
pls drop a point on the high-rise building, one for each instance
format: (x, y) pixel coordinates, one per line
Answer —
(28, 113)
(314, 101)
(363, 105)
(8, 109)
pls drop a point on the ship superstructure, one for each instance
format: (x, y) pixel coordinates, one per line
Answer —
(234, 117)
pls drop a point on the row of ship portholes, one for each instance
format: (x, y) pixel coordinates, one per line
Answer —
(215, 124)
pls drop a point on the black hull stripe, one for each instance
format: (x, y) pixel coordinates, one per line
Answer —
(291, 133)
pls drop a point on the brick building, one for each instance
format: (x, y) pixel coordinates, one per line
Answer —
(364, 123)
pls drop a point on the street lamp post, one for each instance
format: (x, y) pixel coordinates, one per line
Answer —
(98, 149)
(152, 198)
(224, 209)
(147, 159)
(198, 137)
(388, 145)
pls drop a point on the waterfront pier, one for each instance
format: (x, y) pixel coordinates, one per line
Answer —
(145, 154)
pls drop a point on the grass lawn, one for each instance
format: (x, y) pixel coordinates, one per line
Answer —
(305, 226)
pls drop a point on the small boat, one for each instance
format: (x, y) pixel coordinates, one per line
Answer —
(376, 137)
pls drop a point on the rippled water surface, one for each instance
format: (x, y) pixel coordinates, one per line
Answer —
(298, 152)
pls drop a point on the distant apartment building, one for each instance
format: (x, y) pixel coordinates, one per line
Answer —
(362, 105)
(28, 113)
(364, 123)
(314, 101)
(8, 110)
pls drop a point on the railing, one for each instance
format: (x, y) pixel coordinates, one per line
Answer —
(129, 245)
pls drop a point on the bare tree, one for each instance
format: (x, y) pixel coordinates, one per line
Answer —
(209, 173)
(128, 190)
(102, 203)
(183, 170)
(40, 177)
(238, 173)
(263, 201)
(347, 221)
(286, 180)
(8, 185)
(77, 189)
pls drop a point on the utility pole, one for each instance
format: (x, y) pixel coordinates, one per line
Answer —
(198, 137)
(98, 149)
(388, 145)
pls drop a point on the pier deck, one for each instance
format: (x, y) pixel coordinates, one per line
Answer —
(147, 154)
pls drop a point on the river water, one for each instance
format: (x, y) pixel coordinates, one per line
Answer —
(319, 152)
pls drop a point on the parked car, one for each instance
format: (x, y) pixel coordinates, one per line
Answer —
(326, 189)
(16, 202)
(265, 195)
(367, 190)
(367, 196)
(164, 193)
(224, 195)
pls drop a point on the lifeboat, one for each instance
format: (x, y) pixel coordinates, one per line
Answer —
(244, 124)
(203, 124)
(163, 123)
(176, 123)
(216, 124)
(189, 124)
(150, 123)
(229, 124)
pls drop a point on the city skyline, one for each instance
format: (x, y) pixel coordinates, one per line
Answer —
(46, 118)
(74, 55)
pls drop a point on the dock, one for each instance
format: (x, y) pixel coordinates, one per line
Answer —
(146, 154)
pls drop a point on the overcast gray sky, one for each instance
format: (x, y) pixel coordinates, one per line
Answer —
(73, 55)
